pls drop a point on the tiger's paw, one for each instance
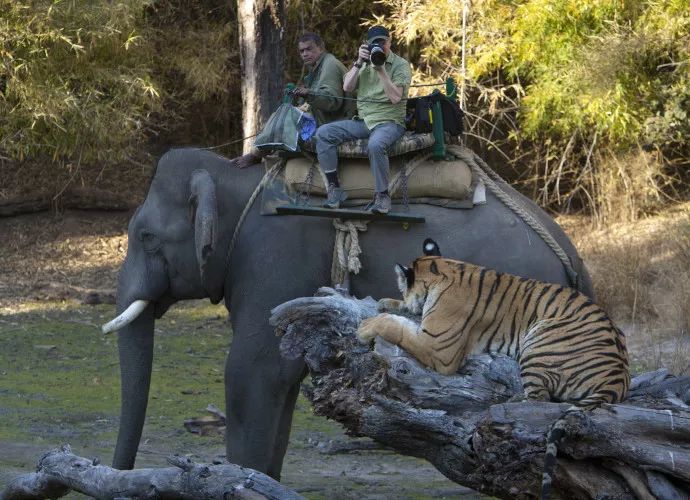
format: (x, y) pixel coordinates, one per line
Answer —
(367, 330)
(390, 305)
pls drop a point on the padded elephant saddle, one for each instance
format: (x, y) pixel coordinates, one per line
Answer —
(300, 181)
(409, 142)
(429, 179)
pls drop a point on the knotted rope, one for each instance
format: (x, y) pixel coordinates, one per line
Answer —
(346, 250)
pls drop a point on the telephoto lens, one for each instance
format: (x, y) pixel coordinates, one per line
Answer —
(376, 54)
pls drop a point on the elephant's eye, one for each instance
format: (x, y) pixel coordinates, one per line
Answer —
(150, 241)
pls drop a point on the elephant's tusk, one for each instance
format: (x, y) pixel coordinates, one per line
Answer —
(127, 316)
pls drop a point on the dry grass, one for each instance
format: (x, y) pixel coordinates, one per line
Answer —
(641, 273)
(608, 185)
(624, 187)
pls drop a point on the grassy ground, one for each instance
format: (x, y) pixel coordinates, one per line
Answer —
(59, 384)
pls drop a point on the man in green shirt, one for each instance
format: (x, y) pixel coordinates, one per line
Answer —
(321, 89)
(381, 98)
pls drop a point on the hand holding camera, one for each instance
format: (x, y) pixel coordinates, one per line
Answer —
(363, 55)
(372, 52)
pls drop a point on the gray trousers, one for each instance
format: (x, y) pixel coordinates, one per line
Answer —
(330, 135)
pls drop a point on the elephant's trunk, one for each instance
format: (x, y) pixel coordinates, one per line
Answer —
(135, 343)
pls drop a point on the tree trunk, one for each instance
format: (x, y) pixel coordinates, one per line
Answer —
(465, 424)
(262, 59)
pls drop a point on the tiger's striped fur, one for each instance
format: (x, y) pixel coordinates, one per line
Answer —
(567, 347)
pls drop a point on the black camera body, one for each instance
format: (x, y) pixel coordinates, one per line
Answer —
(377, 55)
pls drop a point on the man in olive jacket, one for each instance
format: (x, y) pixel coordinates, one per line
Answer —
(321, 89)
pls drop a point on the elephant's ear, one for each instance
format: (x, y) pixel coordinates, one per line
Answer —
(205, 215)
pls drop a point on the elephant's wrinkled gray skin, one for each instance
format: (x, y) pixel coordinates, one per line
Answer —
(178, 241)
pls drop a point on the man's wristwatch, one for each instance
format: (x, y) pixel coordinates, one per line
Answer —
(357, 64)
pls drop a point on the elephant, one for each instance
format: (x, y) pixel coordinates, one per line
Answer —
(179, 248)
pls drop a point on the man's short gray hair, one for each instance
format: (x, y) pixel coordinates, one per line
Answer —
(308, 36)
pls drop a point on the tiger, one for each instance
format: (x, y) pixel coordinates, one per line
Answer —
(566, 346)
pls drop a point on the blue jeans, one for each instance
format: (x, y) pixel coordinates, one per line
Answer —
(330, 135)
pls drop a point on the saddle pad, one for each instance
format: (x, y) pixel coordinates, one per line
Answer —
(430, 179)
(409, 142)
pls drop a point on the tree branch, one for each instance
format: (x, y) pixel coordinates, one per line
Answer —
(467, 426)
(60, 471)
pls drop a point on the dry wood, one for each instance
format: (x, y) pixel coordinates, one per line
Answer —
(207, 424)
(473, 426)
(60, 471)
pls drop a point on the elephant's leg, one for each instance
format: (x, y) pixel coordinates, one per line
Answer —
(284, 427)
(261, 390)
(276, 259)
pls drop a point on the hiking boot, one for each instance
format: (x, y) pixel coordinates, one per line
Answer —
(334, 196)
(382, 203)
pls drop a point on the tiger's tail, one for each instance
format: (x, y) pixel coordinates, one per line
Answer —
(556, 435)
(553, 439)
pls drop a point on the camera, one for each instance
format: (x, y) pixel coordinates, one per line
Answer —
(377, 55)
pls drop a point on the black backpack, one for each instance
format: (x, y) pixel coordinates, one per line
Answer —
(418, 116)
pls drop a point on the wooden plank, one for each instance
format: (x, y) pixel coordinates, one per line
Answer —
(348, 213)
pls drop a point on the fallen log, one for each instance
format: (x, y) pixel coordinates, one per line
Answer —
(73, 197)
(60, 471)
(473, 426)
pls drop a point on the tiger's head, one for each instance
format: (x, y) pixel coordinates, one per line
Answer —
(414, 282)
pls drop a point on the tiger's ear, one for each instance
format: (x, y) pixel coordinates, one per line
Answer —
(430, 247)
(400, 270)
(405, 276)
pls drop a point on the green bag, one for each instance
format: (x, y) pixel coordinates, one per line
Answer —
(281, 132)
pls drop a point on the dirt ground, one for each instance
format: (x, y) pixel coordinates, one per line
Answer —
(58, 374)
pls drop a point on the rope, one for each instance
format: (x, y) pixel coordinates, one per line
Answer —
(345, 98)
(491, 180)
(231, 142)
(379, 101)
(268, 175)
(427, 84)
(346, 250)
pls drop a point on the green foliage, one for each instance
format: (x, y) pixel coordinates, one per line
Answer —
(586, 77)
(547, 81)
(342, 26)
(197, 66)
(76, 79)
(92, 81)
